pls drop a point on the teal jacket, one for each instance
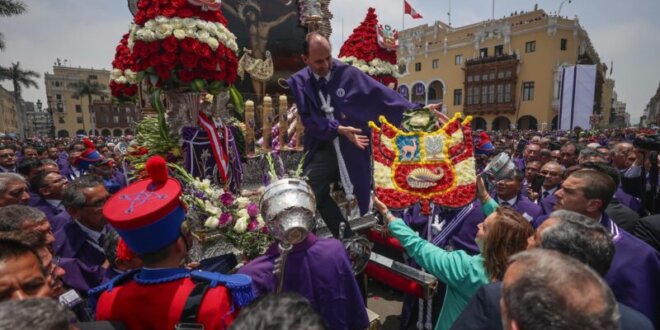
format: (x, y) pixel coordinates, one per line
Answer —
(462, 273)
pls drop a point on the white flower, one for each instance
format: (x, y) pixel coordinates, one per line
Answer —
(260, 220)
(213, 43)
(241, 225)
(115, 73)
(242, 202)
(161, 19)
(212, 222)
(121, 80)
(189, 22)
(179, 33)
(243, 213)
(211, 209)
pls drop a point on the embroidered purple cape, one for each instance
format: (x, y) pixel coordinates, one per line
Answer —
(319, 270)
(357, 99)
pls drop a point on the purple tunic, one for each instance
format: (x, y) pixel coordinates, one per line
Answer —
(634, 273)
(56, 216)
(627, 200)
(357, 99)
(548, 204)
(71, 242)
(319, 270)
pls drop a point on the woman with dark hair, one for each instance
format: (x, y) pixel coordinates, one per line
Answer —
(501, 235)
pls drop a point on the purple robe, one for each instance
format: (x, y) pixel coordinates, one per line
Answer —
(62, 161)
(71, 242)
(79, 276)
(57, 217)
(525, 207)
(627, 200)
(634, 272)
(548, 204)
(464, 237)
(320, 271)
(357, 99)
(520, 163)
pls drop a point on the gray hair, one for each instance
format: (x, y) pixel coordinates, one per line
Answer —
(73, 196)
(48, 161)
(7, 178)
(35, 314)
(12, 217)
(554, 291)
(580, 237)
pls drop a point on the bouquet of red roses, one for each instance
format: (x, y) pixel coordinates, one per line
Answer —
(123, 84)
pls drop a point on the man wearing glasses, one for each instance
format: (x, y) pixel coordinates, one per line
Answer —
(7, 160)
(83, 238)
(553, 173)
(49, 187)
(13, 190)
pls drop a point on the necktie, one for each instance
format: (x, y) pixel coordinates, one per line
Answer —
(505, 203)
(102, 240)
(323, 85)
(546, 193)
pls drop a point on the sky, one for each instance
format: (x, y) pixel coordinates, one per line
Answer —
(86, 32)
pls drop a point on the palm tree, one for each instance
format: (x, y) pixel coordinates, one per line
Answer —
(19, 78)
(89, 88)
(10, 8)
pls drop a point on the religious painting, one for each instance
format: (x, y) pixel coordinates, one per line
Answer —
(270, 40)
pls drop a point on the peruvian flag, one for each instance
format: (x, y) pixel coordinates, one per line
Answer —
(411, 11)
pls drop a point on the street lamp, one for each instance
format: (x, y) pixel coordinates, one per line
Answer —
(561, 5)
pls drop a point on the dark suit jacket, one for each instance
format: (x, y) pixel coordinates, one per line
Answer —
(648, 230)
(622, 215)
(483, 312)
(57, 217)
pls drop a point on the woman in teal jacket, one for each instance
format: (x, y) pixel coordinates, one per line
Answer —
(502, 234)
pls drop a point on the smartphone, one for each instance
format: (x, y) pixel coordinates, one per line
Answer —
(520, 147)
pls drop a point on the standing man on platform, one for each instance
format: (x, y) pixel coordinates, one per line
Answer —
(336, 102)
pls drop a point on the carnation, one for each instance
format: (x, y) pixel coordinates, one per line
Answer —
(227, 199)
(253, 210)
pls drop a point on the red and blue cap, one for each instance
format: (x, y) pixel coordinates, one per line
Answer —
(148, 214)
(88, 157)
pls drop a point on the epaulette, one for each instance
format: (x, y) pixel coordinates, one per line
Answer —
(240, 285)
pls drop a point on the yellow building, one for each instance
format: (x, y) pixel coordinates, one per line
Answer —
(8, 118)
(72, 115)
(504, 72)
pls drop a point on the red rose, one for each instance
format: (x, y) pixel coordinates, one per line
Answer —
(143, 4)
(169, 12)
(202, 49)
(154, 47)
(153, 60)
(189, 60)
(168, 59)
(163, 73)
(188, 44)
(178, 3)
(184, 13)
(186, 76)
(209, 63)
(152, 12)
(170, 44)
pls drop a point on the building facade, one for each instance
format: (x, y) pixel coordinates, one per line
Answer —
(115, 119)
(73, 116)
(651, 116)
(8, 116)
(506, 73)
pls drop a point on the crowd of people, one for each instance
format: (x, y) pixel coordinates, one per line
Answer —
(570, 239)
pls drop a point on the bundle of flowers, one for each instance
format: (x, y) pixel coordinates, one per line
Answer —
(235, 218)
(123, 80)
(372, 49)
(178, 44)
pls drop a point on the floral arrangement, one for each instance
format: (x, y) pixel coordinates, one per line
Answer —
(123, 80)
(363, 51)
(435, 166)
(177, 44)
(235, 218)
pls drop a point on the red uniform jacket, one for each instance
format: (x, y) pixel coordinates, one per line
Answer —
(159, 306)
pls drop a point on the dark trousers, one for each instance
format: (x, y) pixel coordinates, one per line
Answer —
(323, 170)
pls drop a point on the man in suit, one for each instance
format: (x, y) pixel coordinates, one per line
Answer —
(508, 192)
(83, 238)
(553, 173)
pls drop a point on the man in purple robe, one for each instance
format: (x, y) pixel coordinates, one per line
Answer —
(636, 266)
(508, 192)
(336, 101)
(49, 188)
(553, 173)
(83, 238)
(319, 270)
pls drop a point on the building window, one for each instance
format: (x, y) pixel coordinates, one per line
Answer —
(491, 94)
(58, 96)
(483, 52)
(79, 120)
(458, 59)
(78, 108)
(484, 94)
(507, 93)
(418, 66)
(92, 77)
(530, 46)
(458, 96)
(115, 119)
(528, 91)
(435, 63)
(61, 120)
(499, 50)
(563, 44)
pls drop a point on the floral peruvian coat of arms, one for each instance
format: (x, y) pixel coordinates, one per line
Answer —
(424, 165)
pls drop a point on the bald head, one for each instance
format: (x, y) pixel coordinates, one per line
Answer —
(317, 54)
